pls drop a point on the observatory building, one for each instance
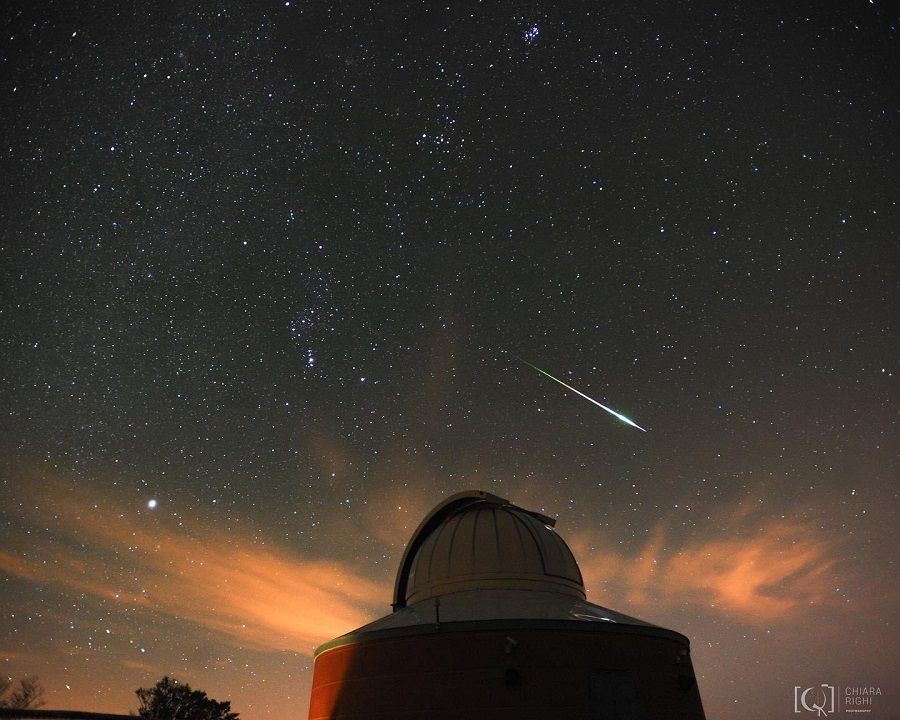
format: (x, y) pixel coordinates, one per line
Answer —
(490, 621)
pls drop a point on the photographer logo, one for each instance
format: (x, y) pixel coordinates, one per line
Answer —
(826, 700)
(819, 700)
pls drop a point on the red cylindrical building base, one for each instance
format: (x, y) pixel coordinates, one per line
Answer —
(519, 671)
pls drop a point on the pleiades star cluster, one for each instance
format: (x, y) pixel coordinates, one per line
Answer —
(275, 277)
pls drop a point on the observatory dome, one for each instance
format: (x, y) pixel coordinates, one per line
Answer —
(490, 621)
(478, 541)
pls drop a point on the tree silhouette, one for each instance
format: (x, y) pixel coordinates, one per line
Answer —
(28, 694)
(172, 700)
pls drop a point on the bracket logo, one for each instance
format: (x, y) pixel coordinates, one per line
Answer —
(818, 700)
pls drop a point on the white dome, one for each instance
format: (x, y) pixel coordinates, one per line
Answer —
(478, 541)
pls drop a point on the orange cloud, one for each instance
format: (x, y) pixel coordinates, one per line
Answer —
(14, 565)
(757, 576)
(767, 576)
(257, 596)
(266, 597)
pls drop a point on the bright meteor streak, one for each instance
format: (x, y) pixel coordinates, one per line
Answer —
(620, 416)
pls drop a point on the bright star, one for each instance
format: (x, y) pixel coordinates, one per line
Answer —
(151, 503)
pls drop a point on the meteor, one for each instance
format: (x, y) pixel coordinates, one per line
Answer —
(620, 416)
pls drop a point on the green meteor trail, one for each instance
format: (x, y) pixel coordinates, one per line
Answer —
(620, 416)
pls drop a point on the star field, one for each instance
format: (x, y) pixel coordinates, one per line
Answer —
(266, 270)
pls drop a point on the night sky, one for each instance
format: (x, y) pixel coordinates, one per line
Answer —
(272, 275)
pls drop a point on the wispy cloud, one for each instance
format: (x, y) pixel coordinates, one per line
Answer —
(757, 572)
(255, 595)
(268, 597)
